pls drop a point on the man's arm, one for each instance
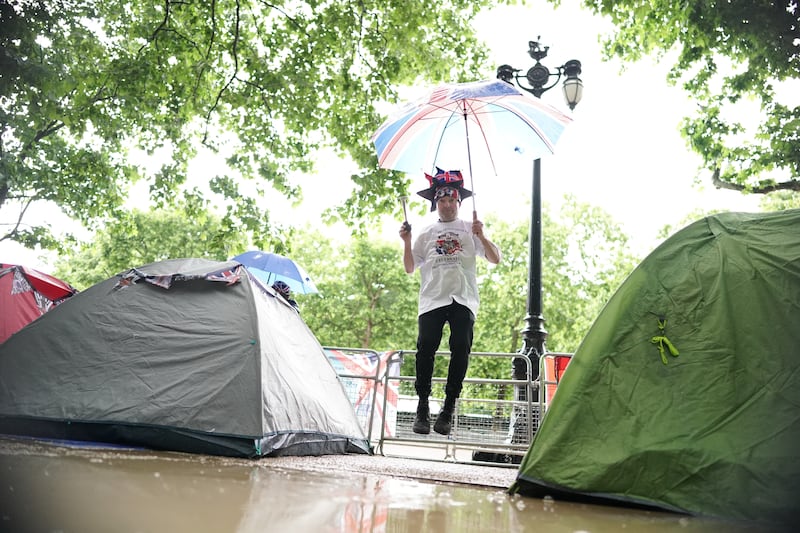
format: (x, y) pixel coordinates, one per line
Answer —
(491, 250)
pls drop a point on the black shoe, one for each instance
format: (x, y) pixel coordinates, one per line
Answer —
(422, 424)
(443, 423)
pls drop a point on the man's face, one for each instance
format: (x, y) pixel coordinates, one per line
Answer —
(447, 206)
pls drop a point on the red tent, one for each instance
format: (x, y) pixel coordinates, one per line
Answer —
(25, 295)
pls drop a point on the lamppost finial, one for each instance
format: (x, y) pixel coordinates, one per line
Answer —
(536, 51)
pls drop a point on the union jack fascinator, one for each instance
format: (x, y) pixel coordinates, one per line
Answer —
(451, 179)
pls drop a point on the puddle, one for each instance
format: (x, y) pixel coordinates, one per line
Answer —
(58, 489)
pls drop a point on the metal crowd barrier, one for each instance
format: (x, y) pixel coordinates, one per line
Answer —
(494, 419)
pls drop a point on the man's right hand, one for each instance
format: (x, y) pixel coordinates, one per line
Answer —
(405, 231)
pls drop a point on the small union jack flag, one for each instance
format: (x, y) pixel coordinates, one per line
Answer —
(443, 177)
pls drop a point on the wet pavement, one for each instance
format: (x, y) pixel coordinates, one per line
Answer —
(46, 487)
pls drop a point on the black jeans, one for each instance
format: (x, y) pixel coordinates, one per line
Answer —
(431, 325)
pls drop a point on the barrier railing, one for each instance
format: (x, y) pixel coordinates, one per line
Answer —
(489, 422)
(486, 419)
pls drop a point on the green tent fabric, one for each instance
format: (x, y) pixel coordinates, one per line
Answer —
(189, 355)
(711, 428)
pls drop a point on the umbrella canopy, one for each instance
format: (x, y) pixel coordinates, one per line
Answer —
(271, 267)
(453, 124)
(26, 294)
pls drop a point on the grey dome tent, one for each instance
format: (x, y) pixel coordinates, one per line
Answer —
(189, 355)
(685, 393)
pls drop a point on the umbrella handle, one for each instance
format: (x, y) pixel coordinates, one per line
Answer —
(403, 200)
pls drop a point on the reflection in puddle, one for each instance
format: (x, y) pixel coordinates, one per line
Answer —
(49, 488)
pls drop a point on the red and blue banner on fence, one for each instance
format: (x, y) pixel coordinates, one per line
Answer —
(363, 375)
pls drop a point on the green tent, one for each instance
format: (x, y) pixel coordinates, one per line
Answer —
(685, 393)
(190, 355)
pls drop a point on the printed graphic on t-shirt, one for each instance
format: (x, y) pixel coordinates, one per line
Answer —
(447, 243)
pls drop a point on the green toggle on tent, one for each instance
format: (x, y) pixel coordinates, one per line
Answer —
(685, 393)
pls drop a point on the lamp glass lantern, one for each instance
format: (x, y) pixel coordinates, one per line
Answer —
(573, 86)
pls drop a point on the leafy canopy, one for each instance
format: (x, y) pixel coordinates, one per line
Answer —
(729, 54)
(88, 87)
(136, 238)
(366, 299)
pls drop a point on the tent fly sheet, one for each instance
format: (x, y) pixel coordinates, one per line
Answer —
(685, 393)
(187, 354)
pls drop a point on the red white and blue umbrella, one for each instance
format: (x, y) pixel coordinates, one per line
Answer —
(491, 121)
(271, 267)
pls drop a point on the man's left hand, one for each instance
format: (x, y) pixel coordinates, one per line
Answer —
(477, 225)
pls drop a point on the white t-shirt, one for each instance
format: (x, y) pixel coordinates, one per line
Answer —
(445, 253)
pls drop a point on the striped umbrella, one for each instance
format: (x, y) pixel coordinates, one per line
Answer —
(489, 120)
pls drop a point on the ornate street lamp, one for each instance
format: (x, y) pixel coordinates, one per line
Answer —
(538, 76)
(535, 81)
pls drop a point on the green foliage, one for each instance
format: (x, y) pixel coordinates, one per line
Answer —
(693, 216)
(591, 258)
(781, 200)
(366, 299)
(730, 54)
(585, 257)
(137, 238)
(777, 201)
(88, 86)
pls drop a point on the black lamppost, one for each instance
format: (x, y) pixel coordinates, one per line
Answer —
(536, 81)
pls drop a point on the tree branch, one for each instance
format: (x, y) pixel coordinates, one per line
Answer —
(159, 28)
(763, 188)
(209, 48)
(233, 76)
(284, 13)
(14, 231)
(50, 129)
